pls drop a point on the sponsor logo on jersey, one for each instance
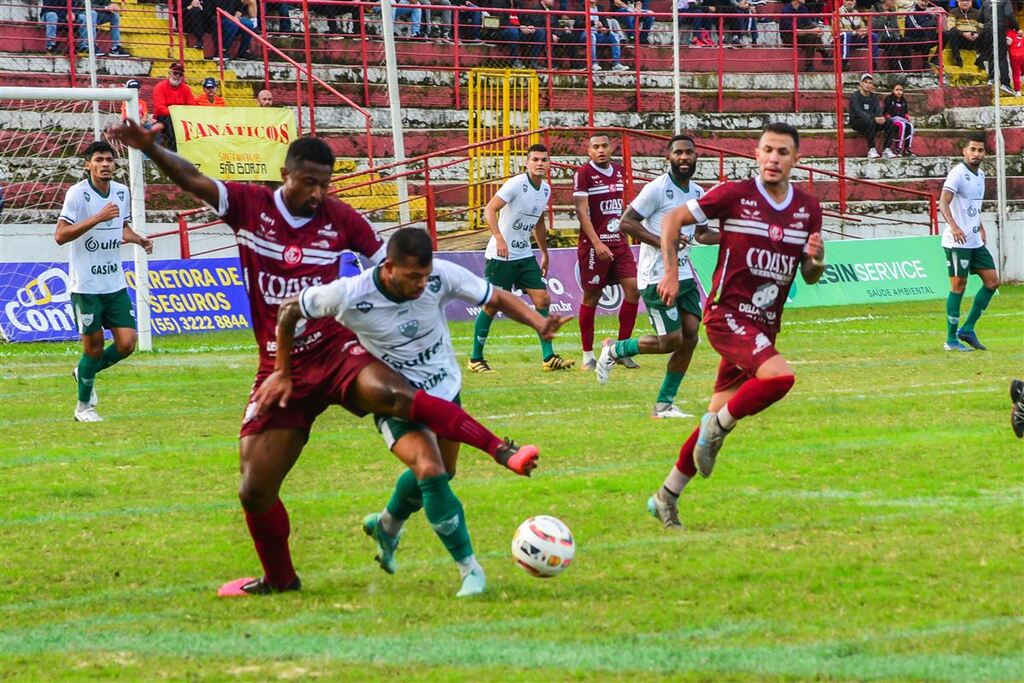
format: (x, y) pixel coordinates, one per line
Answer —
(120, 195)
(595, 280)
(93, 244)
(353, 347)
(267, 219)
(434, 283)
(761, 343)
(801, 214)
(770, 264)
(669, 193)
(525, 188)
(750, 215)
(611, 206)
(87, 197)
(546, 190)
(734, 326)
(320, 244)
(748, 202)
(326, 231)
(409, 328)
(775, 232)
(292, 255)
(799, 225)
(364, 306)
(276, 288)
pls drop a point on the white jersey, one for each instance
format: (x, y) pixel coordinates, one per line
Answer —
(658, 197)
(524, 206)
(410, 336)
(968, 190)
(95, 259)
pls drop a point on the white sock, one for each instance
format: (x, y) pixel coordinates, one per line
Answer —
(82, 406)
(392, 526)
(725, 418)
(588, 356)
(674, 484)
(467, 565)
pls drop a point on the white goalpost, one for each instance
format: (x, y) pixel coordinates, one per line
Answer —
(45, 122)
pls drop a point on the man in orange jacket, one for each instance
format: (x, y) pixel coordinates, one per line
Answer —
(209, 97)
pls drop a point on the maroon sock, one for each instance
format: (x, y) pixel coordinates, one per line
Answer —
(269, 531)
(587, 315)
(627, 319)
(755, 395)
(685, 462)
(451, 422)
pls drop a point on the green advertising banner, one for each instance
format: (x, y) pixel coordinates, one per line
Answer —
(862, 271)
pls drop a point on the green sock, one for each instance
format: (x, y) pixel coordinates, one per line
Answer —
(669, 387)
(481, 328)
(952, 315)
(981, 300)
(446, 516)
(627, 348)
(546, 349)
(406, 499)
(87, 369)
(110, 357)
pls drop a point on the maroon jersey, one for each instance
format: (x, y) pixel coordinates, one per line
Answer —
(282, 254)
(603, 189)
(761, 247)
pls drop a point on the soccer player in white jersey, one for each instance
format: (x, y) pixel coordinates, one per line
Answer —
(675, 325)
(963, 240)
(516, 210)
(398, 312)
(95, 220)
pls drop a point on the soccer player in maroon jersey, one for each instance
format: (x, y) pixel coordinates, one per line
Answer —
(769, 230)
(289, 239)
(603, 251)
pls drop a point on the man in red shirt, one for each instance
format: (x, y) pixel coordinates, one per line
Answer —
(166, 94)
(770, 230)
(289, 239)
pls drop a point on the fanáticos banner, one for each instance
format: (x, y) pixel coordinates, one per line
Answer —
(235, 143)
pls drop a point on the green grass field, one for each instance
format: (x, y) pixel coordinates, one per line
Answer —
(869, 527)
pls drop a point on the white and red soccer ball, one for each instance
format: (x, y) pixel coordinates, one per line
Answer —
(543, 546)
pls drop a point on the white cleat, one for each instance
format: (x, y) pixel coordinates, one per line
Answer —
(709, 442)
(93, 398)
(588, 365)
(667, 410)
(475, 583)
(605, 362)
(87, 415)
(665, 512)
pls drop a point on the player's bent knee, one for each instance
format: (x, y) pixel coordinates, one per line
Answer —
(670, 343)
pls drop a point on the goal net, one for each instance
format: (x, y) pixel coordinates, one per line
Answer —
(44, 134)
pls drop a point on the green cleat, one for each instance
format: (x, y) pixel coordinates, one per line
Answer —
(475, 583)
(386, 543)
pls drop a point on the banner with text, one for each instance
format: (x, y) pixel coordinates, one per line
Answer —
(235, 143)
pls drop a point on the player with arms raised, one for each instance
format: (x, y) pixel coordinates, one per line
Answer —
(770, 230)
(602, 250)
(397, 310)
(289, 239)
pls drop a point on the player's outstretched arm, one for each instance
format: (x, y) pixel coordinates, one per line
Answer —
(630, 224)
(277, 388)
(181, 171)
(514, 308)
(812, 265)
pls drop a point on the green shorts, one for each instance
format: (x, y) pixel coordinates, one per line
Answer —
(962, 262)
(523, 273)
(668, 319)
(95, 312)
(394, 428)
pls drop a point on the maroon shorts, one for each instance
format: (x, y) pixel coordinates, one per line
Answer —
(320, 380)
(741, 343)
(596, 274)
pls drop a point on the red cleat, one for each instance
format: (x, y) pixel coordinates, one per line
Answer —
(520, 459)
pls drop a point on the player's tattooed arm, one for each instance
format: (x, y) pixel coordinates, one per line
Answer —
(630, 224)
(181, 171)
(812, 265)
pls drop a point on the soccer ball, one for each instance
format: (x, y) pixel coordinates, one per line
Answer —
(543, 546)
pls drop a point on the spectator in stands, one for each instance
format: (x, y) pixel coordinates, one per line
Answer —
(470, 21)
(602, 33)
(195, 21)
(632, 11)
(144, 118)
(438, 22)
(108, 14)
(866, 113)
(886, 26)
(745, 26)
(408, 10)
(168, 93)
(564, 36)
(920, 34)
(245, 12)
(53, 13)
(265, 98)
(802, 26)
(899, 131)
(963, 27)
(854, 31)
(1005, 21)
(209, 97)
(1016, 50)
(279, 12)
(522, 36)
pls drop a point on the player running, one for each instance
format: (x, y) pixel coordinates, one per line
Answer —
(516, 210)
(289, 239)
(963, 240)
(95, 220)
(397, 310)
(602, 251)
(675, 325)
(770, 229)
